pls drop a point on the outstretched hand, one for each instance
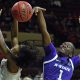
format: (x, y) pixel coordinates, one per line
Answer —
(37, 9)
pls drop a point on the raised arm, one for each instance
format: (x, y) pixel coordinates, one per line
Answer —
(6, 51)
(42, 24)
(14, 36)
(49, 48)
(14, 32)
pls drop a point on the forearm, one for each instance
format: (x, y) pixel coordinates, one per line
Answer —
(14, 33)
(11, 66)
(11, 63)
(14, 37)
(43, 28)
(41, 21)
(6, 51)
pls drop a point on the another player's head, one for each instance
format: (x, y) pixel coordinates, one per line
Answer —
(67, 48)
(26, 56)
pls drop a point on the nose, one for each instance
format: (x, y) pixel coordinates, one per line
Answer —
(64, 46)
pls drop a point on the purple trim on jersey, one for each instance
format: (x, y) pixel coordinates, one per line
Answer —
(50, 52)
(76, 61)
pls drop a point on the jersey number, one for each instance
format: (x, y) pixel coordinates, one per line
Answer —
(60, 75)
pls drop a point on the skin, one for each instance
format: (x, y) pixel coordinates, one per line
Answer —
(14, 39)
(66, 47)
(6, 51)
(15, 44)
(43, 27)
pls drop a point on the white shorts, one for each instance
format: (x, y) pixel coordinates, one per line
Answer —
(6, 75)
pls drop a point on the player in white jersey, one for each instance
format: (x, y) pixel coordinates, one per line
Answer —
(9, 70)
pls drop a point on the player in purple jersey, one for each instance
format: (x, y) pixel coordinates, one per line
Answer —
(57, 65)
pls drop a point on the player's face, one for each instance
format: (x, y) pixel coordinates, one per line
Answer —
(66, 48)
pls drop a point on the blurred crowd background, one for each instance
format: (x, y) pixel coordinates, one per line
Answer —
(62, 17)
(63, 22)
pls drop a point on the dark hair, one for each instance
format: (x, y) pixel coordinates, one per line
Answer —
(26, 56)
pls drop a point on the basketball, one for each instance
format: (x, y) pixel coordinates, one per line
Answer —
(22, 11)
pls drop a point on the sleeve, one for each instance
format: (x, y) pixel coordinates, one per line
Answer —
(6, 74)
(76, 61)
(50, 52)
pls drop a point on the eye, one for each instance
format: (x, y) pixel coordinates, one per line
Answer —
(67, 46)
(64, 46)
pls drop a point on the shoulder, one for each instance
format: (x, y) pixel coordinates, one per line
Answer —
(3, 62)
(76, 60)
(50, 47)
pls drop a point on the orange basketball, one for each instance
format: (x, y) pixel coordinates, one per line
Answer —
(22, 11)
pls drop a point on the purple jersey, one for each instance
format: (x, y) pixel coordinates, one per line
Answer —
(58, 68)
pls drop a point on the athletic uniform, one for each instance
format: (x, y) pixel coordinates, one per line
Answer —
(56, 67)
(5, 74)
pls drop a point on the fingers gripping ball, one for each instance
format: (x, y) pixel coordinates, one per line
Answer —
(22, 11)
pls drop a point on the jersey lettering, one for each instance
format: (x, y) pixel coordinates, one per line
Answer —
(60, 75)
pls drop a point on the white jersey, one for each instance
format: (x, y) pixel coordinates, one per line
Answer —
(39, 77)
(6, 75)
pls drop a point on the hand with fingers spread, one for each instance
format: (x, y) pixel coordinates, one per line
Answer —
(37, 9)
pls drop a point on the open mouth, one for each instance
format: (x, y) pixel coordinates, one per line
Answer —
(62, 49)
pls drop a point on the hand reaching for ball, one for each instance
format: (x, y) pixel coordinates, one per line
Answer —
(37, 9)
